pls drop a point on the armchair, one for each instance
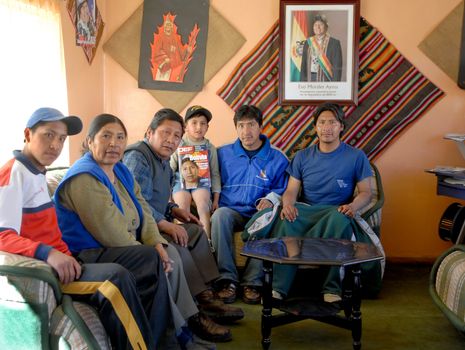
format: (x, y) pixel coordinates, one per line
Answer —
(34, 314)
(371, 214)
(369, 222)
(447, 285)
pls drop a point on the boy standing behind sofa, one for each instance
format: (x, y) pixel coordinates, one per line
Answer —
(197, 119)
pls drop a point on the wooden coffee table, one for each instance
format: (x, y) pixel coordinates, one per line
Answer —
(313, 252)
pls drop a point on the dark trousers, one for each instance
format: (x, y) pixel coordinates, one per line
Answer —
(198, 261)
(128, 287)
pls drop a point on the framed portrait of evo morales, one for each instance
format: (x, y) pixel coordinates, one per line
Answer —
(318, 57)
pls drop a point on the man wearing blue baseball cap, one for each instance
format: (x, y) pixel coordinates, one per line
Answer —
(29, 227)
(45, 134)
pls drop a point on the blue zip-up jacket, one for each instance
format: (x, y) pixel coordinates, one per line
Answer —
(74, 233)
(244, 180)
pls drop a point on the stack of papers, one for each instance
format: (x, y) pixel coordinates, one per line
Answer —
(453, 181)
(455, 137)
(457, 173)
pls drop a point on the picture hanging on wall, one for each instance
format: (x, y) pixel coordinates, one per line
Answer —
(88, 25)
(85, 22)
(173, 45)
(319, 52)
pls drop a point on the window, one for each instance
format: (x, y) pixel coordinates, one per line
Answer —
(32, 70)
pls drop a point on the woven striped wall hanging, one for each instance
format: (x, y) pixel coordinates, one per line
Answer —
(392, 95)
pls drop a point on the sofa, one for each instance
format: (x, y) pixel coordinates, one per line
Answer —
(34, 314)
(447, 285)
(371, 213)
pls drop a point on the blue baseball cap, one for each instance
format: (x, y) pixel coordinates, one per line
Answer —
(47, 114)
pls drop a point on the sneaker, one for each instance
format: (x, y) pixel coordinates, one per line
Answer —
(216, 309)
(331, 298)
(228, 293)
(276, 295)
(200, 344)
(205, 328)
(251, 295)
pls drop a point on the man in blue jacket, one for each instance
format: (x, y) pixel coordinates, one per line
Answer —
(253, 178)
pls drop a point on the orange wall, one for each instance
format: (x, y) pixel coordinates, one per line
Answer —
(412, 209)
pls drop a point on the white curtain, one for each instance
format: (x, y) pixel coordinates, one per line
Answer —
(32, 70)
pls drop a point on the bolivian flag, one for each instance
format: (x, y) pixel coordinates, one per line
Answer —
(298, 36)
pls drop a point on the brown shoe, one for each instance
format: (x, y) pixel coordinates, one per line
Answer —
(216, 309)
(201, 325)
(251, 295)
(228, 293)
(205, 297)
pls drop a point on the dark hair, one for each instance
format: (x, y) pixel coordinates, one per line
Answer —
(187, 159)
(248, 112)
(322, 19)
(35, 127)
(165, 114)
(97, 124)
(333, 108)
(79, 8)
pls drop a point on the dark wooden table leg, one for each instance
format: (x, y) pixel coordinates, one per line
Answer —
(267, 304)
(356, 313)
(347, 287)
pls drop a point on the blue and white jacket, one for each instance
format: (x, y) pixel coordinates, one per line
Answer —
(245, 180)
